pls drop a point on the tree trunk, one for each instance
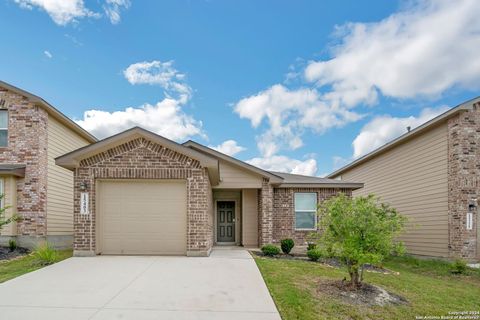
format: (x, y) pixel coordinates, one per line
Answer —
(354, 276)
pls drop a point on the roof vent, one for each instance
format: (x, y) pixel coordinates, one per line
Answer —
(408, 129)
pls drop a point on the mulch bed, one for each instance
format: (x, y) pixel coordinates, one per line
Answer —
(332, 262)
(6, 254)
(367, 294)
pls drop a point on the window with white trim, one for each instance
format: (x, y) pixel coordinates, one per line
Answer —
(3, 128)
(305, 211)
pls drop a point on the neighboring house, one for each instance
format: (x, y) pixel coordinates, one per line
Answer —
(139, 193)
(431, 175)
(32, 134)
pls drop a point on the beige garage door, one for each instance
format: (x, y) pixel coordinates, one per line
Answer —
(142, 217)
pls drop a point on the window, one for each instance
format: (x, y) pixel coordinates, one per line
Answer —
(305, 211)
(3, 128)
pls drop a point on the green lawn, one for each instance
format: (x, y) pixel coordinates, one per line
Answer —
(428, 285)
(14, 268)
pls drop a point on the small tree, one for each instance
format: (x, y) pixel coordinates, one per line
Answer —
(358, 231)
(4, 221)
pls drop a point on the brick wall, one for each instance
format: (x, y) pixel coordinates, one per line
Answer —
(284, 211)
(143, 159)
(463, 181)
(27, 137)
(265, 213)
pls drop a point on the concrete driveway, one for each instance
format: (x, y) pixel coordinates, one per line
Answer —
(226, 285)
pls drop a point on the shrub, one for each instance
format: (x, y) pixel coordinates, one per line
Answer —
(45, 254)
(311, 246)
(12, 245)
(270, 250)
(359, 231)
(3, 220)
(459, 267)
(314, 254)
(287, 245)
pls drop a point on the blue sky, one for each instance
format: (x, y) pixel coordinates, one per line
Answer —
(296, 86)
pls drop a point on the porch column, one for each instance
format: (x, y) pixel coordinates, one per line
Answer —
(265, 209)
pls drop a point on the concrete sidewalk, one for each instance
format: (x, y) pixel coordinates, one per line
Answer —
(226, 285)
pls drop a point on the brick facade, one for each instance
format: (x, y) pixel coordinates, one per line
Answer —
(27, 144)
(463, 181)
(284, 211)
(143, 159)
(265, 213)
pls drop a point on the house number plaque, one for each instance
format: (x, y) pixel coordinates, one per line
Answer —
(84, 203)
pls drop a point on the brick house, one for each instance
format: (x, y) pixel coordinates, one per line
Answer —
(139, 193)
(32, 134)
(431, 175)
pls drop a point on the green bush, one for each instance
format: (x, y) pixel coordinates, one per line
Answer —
(45, 254)
(459, 267)
(287, 245)
(314, 254)
(359, 231)
(12, 245)
(270, 250)
(311, 246)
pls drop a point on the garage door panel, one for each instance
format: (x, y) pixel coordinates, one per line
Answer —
(142, 217)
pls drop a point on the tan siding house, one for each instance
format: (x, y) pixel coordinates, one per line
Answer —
(37, 190)
(61, 140)
(416, 174)
(413, 178)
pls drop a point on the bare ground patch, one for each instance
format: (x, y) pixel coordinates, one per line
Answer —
(367, 294)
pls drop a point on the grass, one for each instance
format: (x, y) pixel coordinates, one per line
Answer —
(13, 268)
(429, 287)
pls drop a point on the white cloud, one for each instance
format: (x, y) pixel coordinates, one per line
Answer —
(62, 12)
(288, 113)
(48, 54)
(339, 162)
(229, 147)
(285, 164)
(158, 73)
(113, 8)
(165, 118)
(383, 129)
(422, 51)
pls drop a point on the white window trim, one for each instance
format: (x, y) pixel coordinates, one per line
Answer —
(315, 211)
(5, 128)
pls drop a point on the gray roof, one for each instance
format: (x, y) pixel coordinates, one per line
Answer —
(467, 105)
(298, 180)
(13, 169)
(278, 179)
(52, 110)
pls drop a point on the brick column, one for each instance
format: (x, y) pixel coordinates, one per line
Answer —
(463, 182)
(265, 218)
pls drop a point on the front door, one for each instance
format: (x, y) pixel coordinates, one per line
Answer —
(225, 221)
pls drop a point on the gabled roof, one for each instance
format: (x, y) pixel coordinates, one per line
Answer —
(71, 160)
(51, 110)
(279, 179)
(468, 105)
(204, 149)
(297, 180)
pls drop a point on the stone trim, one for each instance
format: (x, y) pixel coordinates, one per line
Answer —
(463, 182)
(27, 145)
(265, 214)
